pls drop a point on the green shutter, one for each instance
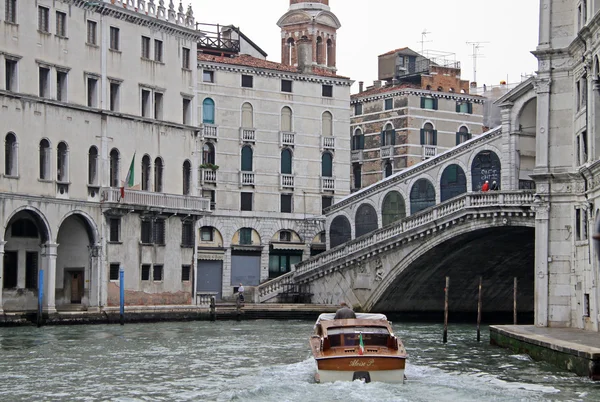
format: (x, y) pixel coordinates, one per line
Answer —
(286, 162)
(422, 103)
(246, 159)
(393, 132)
(434, 137)
(457, 138)
(361, 142)
(382, 138)
(457, 107)
(435, 103)
(469, 136)
(470, 108)
(422, 136)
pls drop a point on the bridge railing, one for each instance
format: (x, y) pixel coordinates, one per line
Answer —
(272, 288)
(465, 201)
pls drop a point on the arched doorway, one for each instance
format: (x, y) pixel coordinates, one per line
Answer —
(77, 277)
(485, 167)
(339, 231)
(365, 220)
(25, 235)
(422, 196)
(453, 183)
(393, 208)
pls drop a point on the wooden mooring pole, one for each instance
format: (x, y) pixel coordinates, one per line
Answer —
(479, 311)
(446, 289)
(213, 308)
(515, 302)
(238, 308)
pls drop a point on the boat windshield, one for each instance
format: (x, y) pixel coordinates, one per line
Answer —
(357, 330)
(350, 336)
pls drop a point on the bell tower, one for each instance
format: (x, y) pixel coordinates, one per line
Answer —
(312, 22)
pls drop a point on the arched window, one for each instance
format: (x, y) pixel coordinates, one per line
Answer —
(208, 111)
(247, 159)
(422, 196)
(330, 53)
(44, 159)
(327, 165)
(389, 170)
(158, 174)
(357, 175)
(114, 167)
(428, 135)
(286, 119)
(62, 162)
(146, 173)
(187, 177)
(319, 50)
(93, 166)
(393, 208)
(11, 155)
(485, 167)
(388, 135)
(462, 135)
(286, 161)
(339, 231)
(290, 52)
(358, 140)
(208, 153)
(247, 116)
(366, 220)
(453, 183)
(327, 125)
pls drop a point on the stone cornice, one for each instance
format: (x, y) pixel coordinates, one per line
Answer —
(418, 92)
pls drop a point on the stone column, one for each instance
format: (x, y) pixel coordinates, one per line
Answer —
(510, 164)
(264, 263)
(543, 123)
(95, 276)
(542, 214)
(49, 252)
(2, 244)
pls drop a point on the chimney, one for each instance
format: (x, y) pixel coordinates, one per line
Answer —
(304, 49)
(377, 84)
(360, 86)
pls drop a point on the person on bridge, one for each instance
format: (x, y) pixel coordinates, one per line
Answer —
(494, 186)
(344, 312)
(486, 186)
(241, 293)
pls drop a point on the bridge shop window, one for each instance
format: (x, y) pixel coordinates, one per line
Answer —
(339, 231)
(366, 220)
(393, 208)
(453, 183)
(485, 167)
(422, 196)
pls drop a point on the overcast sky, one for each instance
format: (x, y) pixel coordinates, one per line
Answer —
(509, 28)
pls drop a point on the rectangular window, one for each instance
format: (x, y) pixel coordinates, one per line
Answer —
(158, 105)
(146, 272)
(586, 305)
(115, 38)
(210, 194)
(44, 82)
(247, 81)
(208, 76)
(11, 75)
(92, 92)
(11, 268)
(91, 33)
(187, 234)
(246, 236)
(159, 231)
(185, 58)
(246, 201)
(464, 107)
(43, 19)
(187, 111)
(327, 91)
(114, 271)
(158, 50)
(115, 230)
(61, 24)
(286, 86)
(358, 109)
(389, 104)
(146, 93)
(286, 203)
(429, 103)
(146, 235)
(206, 234)
(145, 47)
(326, 202)
(157, 273)
(11, 11)
(31, 270)
(61, 86)
(115, 96)
(185, 273)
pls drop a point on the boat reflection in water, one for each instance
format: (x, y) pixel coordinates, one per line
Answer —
(362, 348)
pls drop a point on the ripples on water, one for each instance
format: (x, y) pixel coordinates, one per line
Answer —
(259, 361)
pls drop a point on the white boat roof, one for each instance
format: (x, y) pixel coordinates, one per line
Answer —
(359, 316)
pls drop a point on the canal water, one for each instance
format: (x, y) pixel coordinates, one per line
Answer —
(259, 361)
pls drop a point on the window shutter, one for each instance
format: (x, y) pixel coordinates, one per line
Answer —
(434, 137)
(382, 138)
(422, 103)
(422, 136)
(457, 138)
(361, 144)
(470, 106)
(435, 103)
(469, 136)
(457, 107)
(393, 132)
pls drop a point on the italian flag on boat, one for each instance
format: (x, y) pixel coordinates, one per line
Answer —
(129, 178)
(361, 345)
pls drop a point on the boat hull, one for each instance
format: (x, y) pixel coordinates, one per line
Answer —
(366, 368)
(388, 376)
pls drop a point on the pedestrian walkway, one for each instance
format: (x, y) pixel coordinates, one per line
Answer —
(569, 348)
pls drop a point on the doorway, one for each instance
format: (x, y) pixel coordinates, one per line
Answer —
(76, 281)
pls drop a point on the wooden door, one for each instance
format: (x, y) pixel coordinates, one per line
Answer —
(76, 287)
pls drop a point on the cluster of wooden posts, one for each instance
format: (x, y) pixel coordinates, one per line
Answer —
(446, 291)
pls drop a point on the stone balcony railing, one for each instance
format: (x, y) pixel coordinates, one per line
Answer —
(247, 179)
(286, 181)
(209, 131)
(357, 156)
(272, 288)
(429, 151)
(287, 138)
(247, 134)
(327, 184)
(328, 142)
(387, 151)
(156, 200)
(207, 176)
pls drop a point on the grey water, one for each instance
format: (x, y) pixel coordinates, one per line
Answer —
(260, 361)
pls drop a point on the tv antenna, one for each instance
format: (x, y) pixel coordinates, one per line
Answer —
(423, 41)
(476, 55)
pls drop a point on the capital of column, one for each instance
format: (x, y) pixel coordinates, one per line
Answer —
(50, 249)
(542, 86)
(2, 244)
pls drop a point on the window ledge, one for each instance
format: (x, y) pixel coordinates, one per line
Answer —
(7, 176)
(208, 82)
(44, 33)
(62, 37)
(115, 242)
(11, 23)
(162, 63)
(189, 70)
(93, 185)
(46, 180)
(115, 50)
(92, 45)
(187, 246)
(64, 183)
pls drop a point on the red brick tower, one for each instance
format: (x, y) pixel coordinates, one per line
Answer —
(312, 21)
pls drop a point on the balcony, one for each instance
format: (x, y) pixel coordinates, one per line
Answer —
(157, 200)
(357, 156)
(387, 151)
(327, 184)
(429, 151)
(287, 138)
(286, 181)
(328, 143)
(247, 179)
(209, 131)
(208, 176)
(247, 134)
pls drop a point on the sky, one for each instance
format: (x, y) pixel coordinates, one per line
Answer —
(506, 30)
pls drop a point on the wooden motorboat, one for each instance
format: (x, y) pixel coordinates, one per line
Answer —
(362, 348)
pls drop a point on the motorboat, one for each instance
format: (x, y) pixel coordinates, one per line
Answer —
(362, 348)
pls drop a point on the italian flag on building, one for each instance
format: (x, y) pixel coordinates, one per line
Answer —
(361, 345)
(129, 179)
